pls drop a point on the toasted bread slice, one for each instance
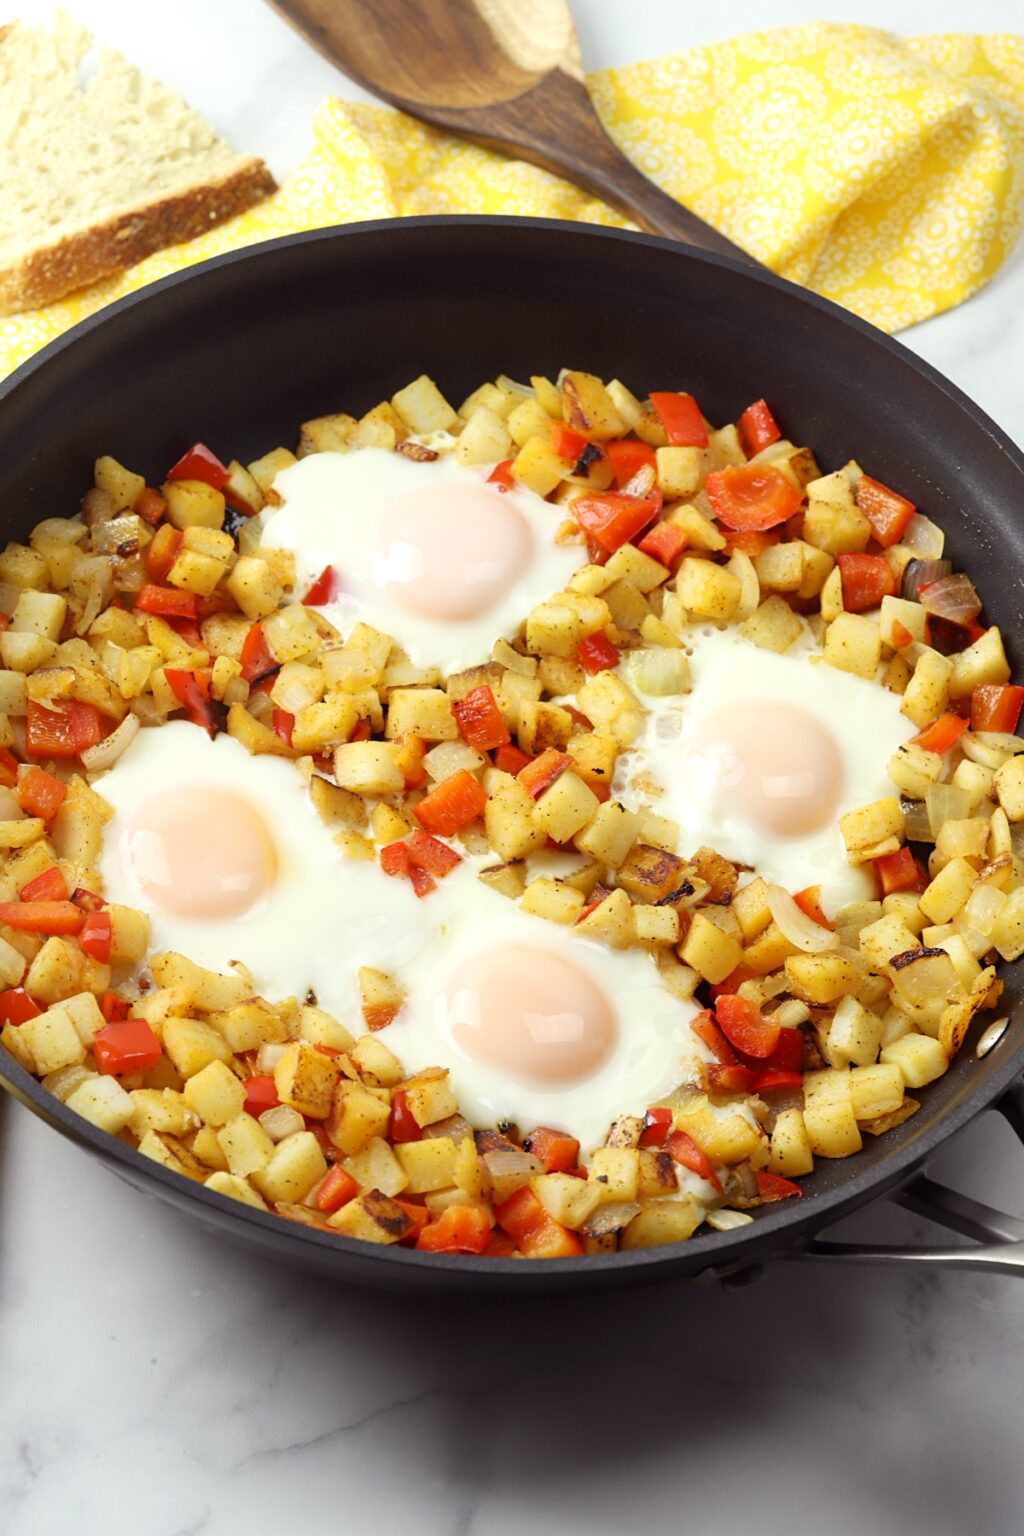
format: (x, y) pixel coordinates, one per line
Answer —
(99, 170)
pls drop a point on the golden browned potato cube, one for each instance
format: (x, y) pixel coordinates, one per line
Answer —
(872, 824)
(829, 1119)
(22, 651)
(121, 485)
(325, 434)
(52, 1041)
(193, 1045)
(791, 1153)
(1009, 786)
(428, 1164)
(377, 1167)
(680, 471)
(656, 925)
(876, 1090)
(566, 808)
(191, 502)
(423, 408)
(430, 1100)
(484, 439)
(163, 1109)
(609, 835)
(209, 989)
(538, 466)
(326, 724)
(611, 922)
(780, 567)
(196, 573)
(568, 1200)
(663, 1221)
(588, 407)
(356, 1117)
(55, 972)
(712, 953)
(234, 1188)
(39, 613)
(253, 587)
(305, 1078)
(373, 1217)
(774, 626)
(245, 1144)
(615, 1170)
(295, 1165)
(983, 662)
(215, 1094)
(507, 879)
(854, 1036)
(512, 830)
(920, 1059)
(948, 892)
(553, 900)
(266, 469)
(821, 979)
(102, 1101)
(369, 768)
(853, 644)
(706, 590)
(425, 712)
(129, 934)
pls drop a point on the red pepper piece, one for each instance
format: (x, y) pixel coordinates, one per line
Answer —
(324, 590)
(95, 937)
(403, 1125)
(613, 518)
(567, 443)
(900, 871)
(452, 805)
(394, 860)
(282, 723)
(751, 496)
(723, 1079)
(49, 886)
(809, 902)
(16, 1007)
(129, 1046)
(685, 1151)
(149, 505)
(757, 428)
(162, 551)
(511, 759)
(68, 730)
(114, 1008)
(87, 900)
(745, 1027)
(865, 579)
(40, 794)
(557, 1150)
(542, 772)
(337, 1188)
(8, 768)
(595, 653)
(537, 1234)
(706, 1029)
(627, 455)
(774, 1079)
(942, 734)
(166, 602)
(788, 1054)
(887, 512)
(480, 720)
(260, 1095)
(664, 542)
(421, 882)
(459, 1229)
(192, 691)
(751, 541)
(772, 1186)
(200, 463)
(996, 707)
(255, 656)
(681, 417)
(49, 917)
(429, 853)
(657, 1124)
(501, 475)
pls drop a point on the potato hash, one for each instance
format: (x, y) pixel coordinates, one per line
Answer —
(706, 937)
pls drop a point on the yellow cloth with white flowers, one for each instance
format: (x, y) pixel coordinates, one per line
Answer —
(886, 173)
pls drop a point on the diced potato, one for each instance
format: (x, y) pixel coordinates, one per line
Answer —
(424, 712)
(656, 925)
(427, 1164)
(1008, 927)
(373, 1217)
(566, 808)
(780, 567)
(948, 891)
(913, 617)
(52, 1041)
(509, 822)
(163, 1109)
(253, 587)
(919, 1058)
(1009, 786)
(121, 485)
(484, 439)
(609, 835)
(615, 1170)
(245, 1144)
(129, 934)
(714, 954)
(22, 567)
(248, 1025)
(430, 1100)
(39, 613)
(853, 644)
(305, 1079)
(235, 1189)
(728, 1140)
(266, 469)
(538, 466)
(983, 662)
(567, 1200)
(864, 829)
(680, 471)
(171, 1153)
(876, 1090)
(663, 1221)
(821, 979)
(588, 407)
(369, 768)
(611, 708)
(791, 1153)
(215, 1093)
(610, 922)
(829, 1119)
(927, 693)
(193, 502)
(377, 1167)
(553, 900)
(327, 724)
(423, 408)
(296, 1164)
(193, 1045)
(774, 626)
(55, 972)
(854, 1036)
(23, 651)
(706, 590)
(356, 1117)
(835, 526)
(912, 769)
(889, 935)
(209, 989)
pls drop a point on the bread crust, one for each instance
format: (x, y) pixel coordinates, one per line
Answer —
(78, 259)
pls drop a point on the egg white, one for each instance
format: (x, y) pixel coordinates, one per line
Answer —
(862, 717)
(333, 504)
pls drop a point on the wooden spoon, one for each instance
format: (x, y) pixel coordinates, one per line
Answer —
(505, 73)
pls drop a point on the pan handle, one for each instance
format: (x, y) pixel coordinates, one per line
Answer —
(999, 1238)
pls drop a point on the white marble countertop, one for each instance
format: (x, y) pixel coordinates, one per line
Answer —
(154, 1381)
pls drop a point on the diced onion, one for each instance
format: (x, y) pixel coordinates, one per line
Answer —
(989, 748)
(951, 597)
(742, 568)
(268, 1056)
(106, 752)
(281, 1121)
(796, 926)
(1017, 839)
(65, 1080)
(512, 1162)
(610, 1218)
(10, 809)
(456, 1126)
(791, 1014)
(946, 802)
(450, 757)
(513, 387)
(660, 671)
(924, 537)
(982, 907)
(921, 573)
(917, 827)
(925, 979)
(93, 585)
(727, 1221)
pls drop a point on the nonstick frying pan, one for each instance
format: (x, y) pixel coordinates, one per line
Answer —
(240, 350)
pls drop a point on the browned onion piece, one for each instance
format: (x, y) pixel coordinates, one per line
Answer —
(919, 573)
(951, 597)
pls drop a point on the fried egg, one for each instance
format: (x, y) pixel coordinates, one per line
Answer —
(228, 857)
(763, 756)
(429, 553)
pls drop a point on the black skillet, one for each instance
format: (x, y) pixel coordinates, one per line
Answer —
(240, 350)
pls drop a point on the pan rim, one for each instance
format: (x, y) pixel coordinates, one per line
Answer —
(788, 1219)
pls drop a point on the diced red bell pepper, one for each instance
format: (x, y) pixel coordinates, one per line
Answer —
(887, 512)
(685, 1151)
(255, 657)
(162, 551)
(757, 428)
(337, 1188)
(520, 1213)
(745, 1027)
(557, 1150)
(681, 417)
(431, 854)
(459, 1229)
(788, 1054)
(49, 917)
(260, 1095)
(567, 443)
(129, 1046)
(809, 902)
(723, 1079)
(187, 630)
(452, 805)
(282, 723)
(664, 542)
(595, 653)
(362, 731)
(706, 1029)
(657, 1124)
(417, 1216)
(403, 1125)
(865, 579)
(772, 1186)
(996, 707)
(200, 463)
(67, 730)
(480, 720)
(511, 759)
(501, 476)
(627, 455)
(751, 541)
(774, 1080)
(942, 734)
(49, 886)
(324, 590)
(96, 935)
(88, 900)
(114, 1008)
(166, 602)
(537, 1234)
(542, 772)
(613, 518)
(901, 636)
(149, 505)
(192, 691)
(501, 1246)
(394, 860)
(900, 871)
(749, 497)
(16, 1007)
(8, 768)
(40, 794)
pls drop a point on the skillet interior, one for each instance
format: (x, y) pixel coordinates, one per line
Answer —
(241, 350)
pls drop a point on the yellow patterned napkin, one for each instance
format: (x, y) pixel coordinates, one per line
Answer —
(886, 173)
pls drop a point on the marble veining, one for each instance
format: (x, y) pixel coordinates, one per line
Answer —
(159, 1382)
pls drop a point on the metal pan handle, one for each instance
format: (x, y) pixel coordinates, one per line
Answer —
(998, 1236)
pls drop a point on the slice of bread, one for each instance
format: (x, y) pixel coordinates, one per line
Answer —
(98, 170)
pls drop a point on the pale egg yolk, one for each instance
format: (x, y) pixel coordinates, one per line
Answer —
(200, 852)
(533, 1014)
(450, 552)
(772, 765)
